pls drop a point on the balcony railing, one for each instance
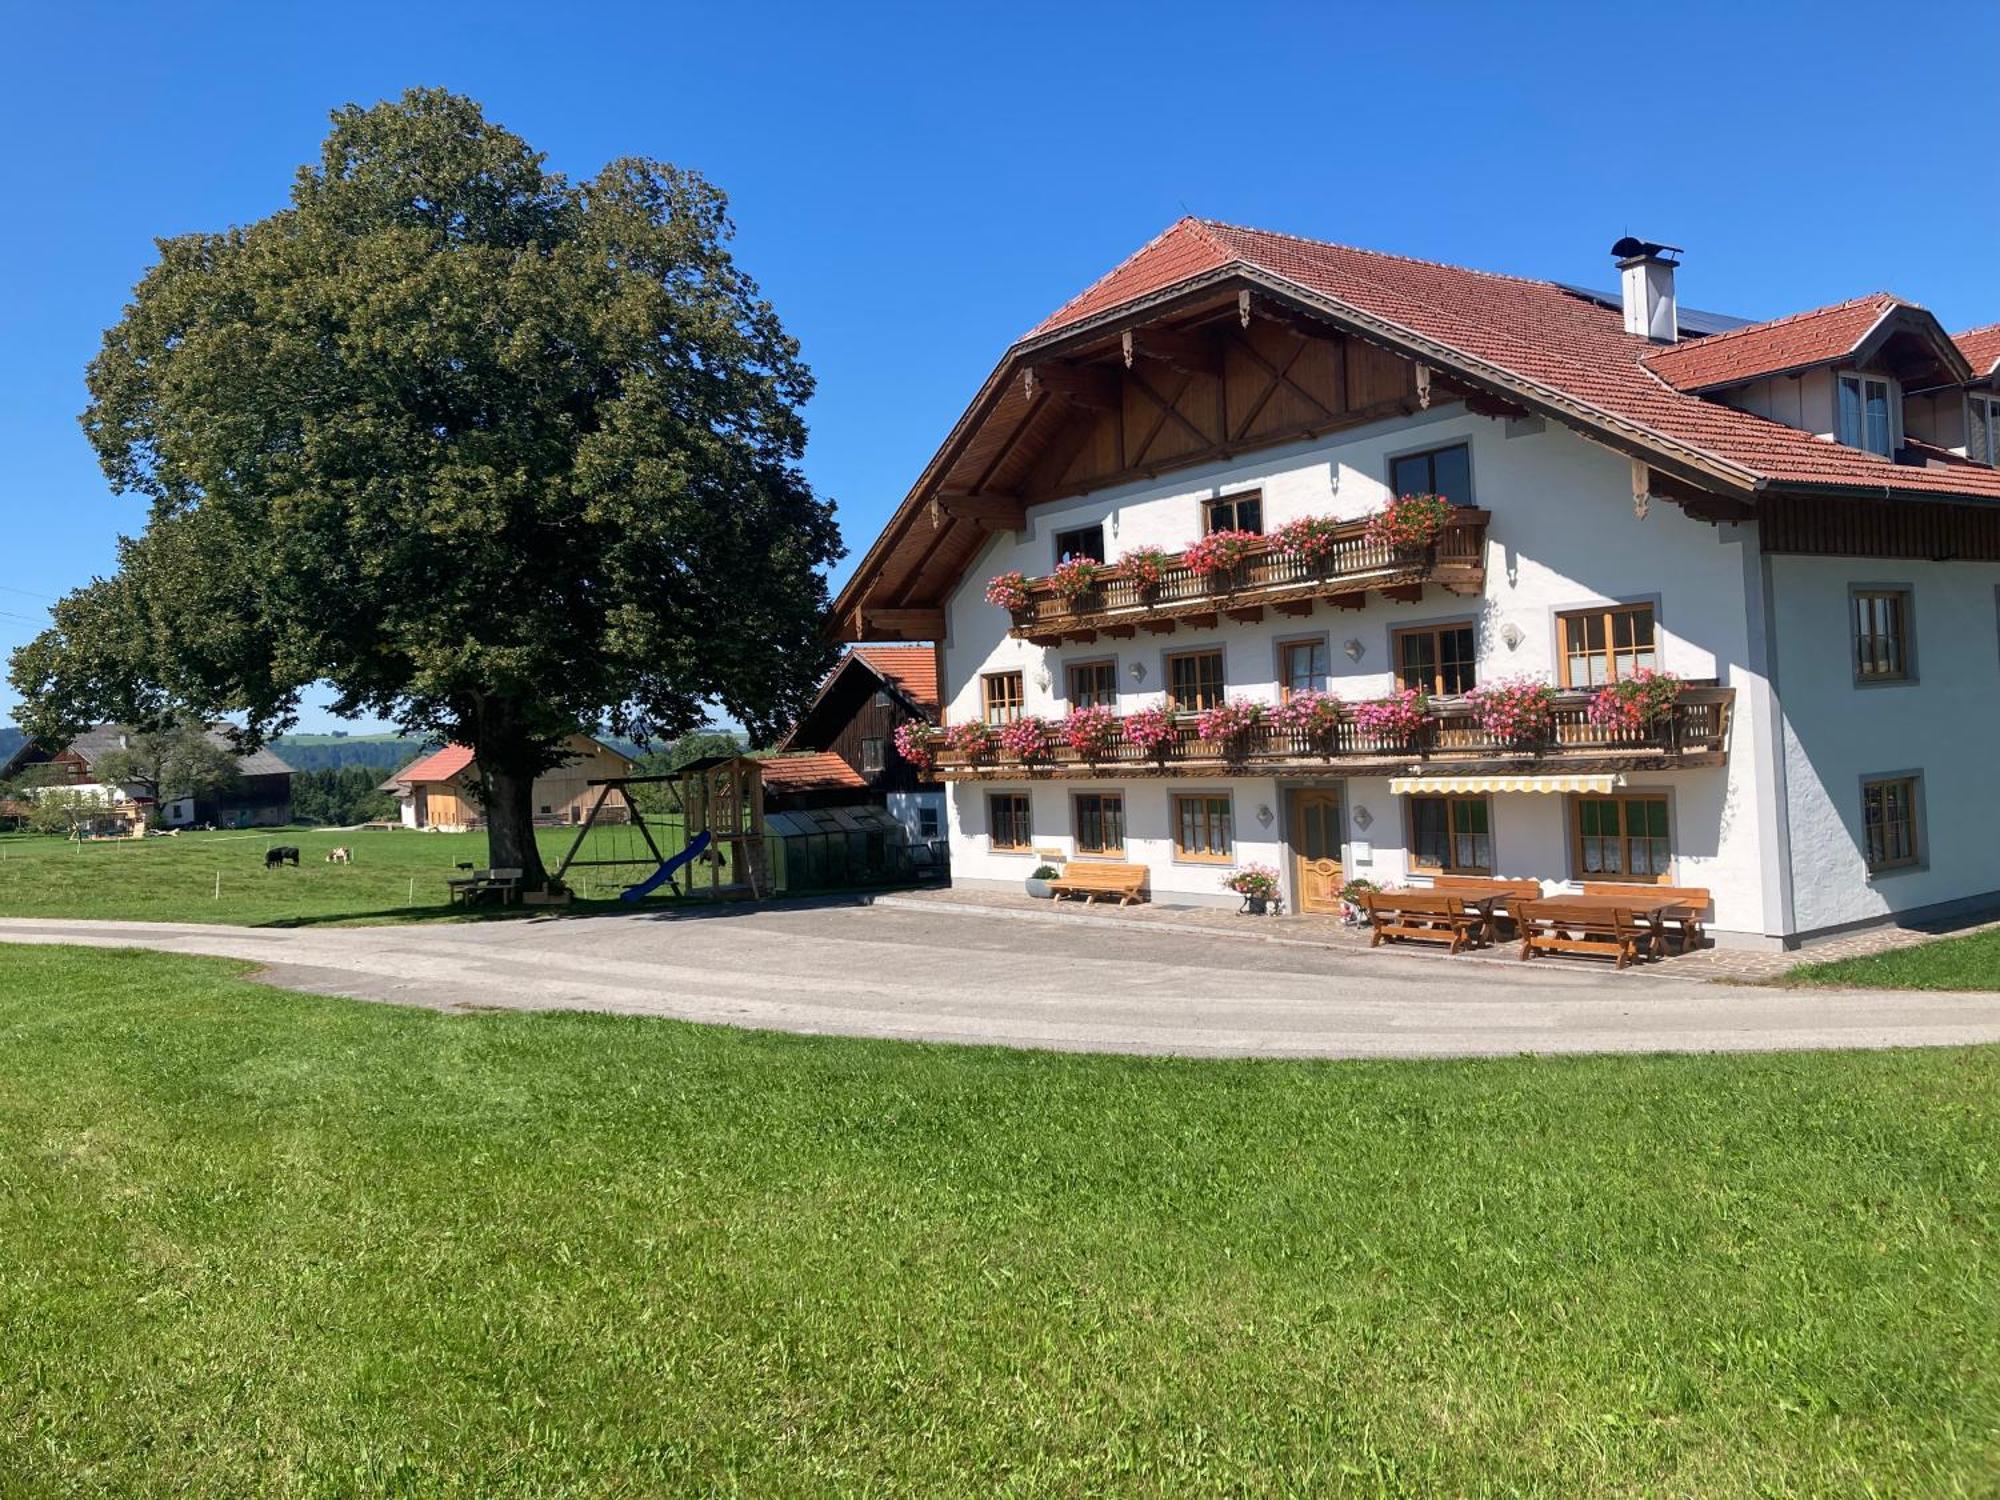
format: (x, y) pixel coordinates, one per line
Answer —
(1456, 561)
(1694, 732)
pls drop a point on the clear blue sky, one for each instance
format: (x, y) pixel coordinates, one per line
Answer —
(916, 186)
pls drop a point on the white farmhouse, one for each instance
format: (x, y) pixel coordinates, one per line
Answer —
(1799, 520)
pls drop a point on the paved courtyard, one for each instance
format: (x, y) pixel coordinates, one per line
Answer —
(929, 972)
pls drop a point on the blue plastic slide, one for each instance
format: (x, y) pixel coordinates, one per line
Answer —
(696, 847)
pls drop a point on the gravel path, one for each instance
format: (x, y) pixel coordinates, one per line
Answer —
(855, 970)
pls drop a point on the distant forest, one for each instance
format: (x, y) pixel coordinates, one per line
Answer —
(321, 752)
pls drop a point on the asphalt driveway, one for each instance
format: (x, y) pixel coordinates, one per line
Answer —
(949, 976)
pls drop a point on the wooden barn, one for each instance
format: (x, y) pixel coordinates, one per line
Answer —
(842, 751)
(437, 791)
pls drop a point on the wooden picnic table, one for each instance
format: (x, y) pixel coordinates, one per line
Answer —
(1478, 903)
(1652, 910)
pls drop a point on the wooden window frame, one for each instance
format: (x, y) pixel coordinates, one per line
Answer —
(880, 758)
(1027, 844)
(1919, 856)
(1608, 612)
(1182, 855)
(1167, 660)
(1234, 502)
(1430, 452)
(1070, 668)
(1285, 643)
(1437, 628)
(1105, 851)
(1892, 401)
(1574, 813)
(1418, 864)
(1905, 596)
(1056, 540)
(988, 700)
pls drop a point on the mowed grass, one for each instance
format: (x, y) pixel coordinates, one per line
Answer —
(397, 875)
(256, 1243)
(1966, 963)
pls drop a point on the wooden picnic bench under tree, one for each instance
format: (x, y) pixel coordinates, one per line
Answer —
(1093, 878)
(1426, 916)
(477, 886)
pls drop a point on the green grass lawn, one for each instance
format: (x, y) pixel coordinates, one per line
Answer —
(259, 1243)
(397, 875)
(1966, 963)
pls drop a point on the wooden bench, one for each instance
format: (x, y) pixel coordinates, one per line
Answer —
(501, 882)
(1598, 928)
(1690, 908)
(1093, 878)
(1422, 915)
(1504, 892)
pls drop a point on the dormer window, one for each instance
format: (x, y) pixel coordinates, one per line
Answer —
(1866, 415)
(1982, 429)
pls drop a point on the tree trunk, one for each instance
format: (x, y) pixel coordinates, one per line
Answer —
(510, 825)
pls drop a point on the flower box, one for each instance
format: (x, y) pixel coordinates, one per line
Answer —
(1635, 704)
(1517, 711)
(1395, 720)
(1009, 591)
(1075, 578)
(1217, 556)
(1090, 732)
(1409, 522)
(1147, 568)
(1028, 738)
(1311, 539)
(971, 740)
(1228, 725)
(1150, 731)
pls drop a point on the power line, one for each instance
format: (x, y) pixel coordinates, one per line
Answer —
(8, 588)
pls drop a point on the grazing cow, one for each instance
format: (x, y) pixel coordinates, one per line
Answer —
(341, 856)
(281, 854)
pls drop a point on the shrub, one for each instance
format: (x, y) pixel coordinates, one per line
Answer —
(970, 740)
(1353, 891)
(1073, 578)
(1150, 729)
(1009, 591)
(1634, 703)
(1028, 738)
(1219, 552)
(1146, 566)
(1311, 539)
(1518, 710)
(1310, 713)
(1410, 521)
(913, 743)
(1090, 732)
(1045, 872)
(1397, 717)
(1252, 880)
(1231, 721)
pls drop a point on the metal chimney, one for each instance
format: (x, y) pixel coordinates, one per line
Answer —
(1648, 281)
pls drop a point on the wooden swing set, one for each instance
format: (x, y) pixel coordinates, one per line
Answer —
(722, 795)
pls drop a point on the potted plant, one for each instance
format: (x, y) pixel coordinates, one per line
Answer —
(1075, 579)
(1038, 882)
(1310, 539)
(1517, 711)
(1311, 715)
(1151, 731)
(1216, 557)
(1396, 720)
(1632, 705)
(970, 740)
(1409, 522)
(1350, 899)
(913, 743)
(1228, 725)
(1256, 884)
(1147, 568)
(1090, 732)
(1028, 738)
(1009, 591)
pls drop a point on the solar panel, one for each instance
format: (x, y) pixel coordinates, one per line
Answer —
(1691, 319)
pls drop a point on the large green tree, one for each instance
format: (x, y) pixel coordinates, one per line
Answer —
(496, 454)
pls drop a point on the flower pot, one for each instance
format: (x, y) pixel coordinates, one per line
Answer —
(1039, 889)
(1257, 906)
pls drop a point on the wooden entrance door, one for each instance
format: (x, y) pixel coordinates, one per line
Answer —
(1316, 872)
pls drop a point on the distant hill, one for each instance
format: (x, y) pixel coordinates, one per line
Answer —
(329, 752)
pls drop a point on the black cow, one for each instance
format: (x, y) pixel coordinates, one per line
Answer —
(281, 854)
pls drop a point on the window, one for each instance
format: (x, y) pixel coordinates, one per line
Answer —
(1301, 667)
(1440, 471)
(1451, 835)
(1007, 820)
(1982, 429)
(927, 823)
(1084, 541)
(1203, 829)
(1100, 823)
(1093, 684)
(1865, 414)
(871, 755)
(1001, 694)
(1604, 645)
(1889, 823)
(1194, 680)
(1882, 635)
(1621, 838)
(1435, 658)
(1244, 512)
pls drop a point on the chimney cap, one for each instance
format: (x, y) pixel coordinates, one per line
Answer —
(1631, 248)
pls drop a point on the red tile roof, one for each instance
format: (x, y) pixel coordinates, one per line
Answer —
(911, 668)
(812, 771)
(1981, 348)
(1790, 343)
(439, 765)
(1566, 349)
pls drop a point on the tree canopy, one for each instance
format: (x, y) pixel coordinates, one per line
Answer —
(496, 454)
(178, 759)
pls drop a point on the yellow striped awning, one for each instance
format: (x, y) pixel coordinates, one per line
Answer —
(1403, 785)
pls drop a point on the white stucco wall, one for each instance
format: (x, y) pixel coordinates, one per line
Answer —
(1563, 536)
(1943, 725)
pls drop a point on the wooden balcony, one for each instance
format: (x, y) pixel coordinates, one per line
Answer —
(1265, 580)
(1695, 733)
